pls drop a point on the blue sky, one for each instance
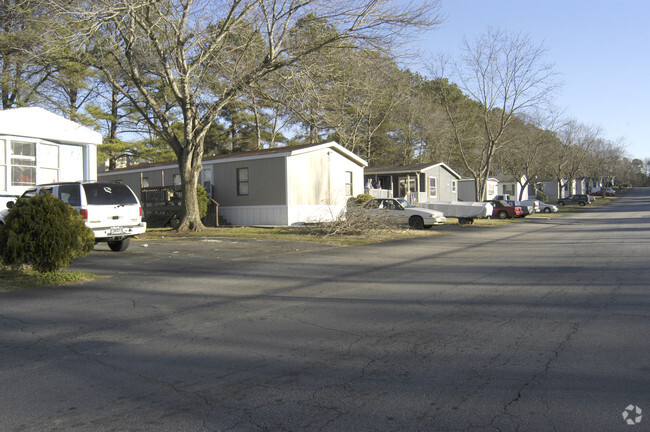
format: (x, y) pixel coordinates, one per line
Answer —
(600, 49)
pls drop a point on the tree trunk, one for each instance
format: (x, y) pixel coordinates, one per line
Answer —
(479, 187)
(113, 122)
(190, 172)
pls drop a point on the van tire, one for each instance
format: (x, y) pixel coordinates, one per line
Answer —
(119, 245)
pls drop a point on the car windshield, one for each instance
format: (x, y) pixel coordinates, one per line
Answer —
(108, 193)
(29, 193)
(404, 203)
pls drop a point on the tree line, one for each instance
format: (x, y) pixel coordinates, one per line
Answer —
(182, 79)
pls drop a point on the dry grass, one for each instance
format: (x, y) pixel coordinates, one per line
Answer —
(25, 277)
(306, 233)
(356, 230)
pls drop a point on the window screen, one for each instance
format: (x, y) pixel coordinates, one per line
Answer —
(242, 181)
(348, 183)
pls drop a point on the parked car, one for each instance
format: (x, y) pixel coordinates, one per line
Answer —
(543, 207)
(503, 210)
(581, 200)
(528, 209)
(400, 211)
(608, 192)
(111, 210)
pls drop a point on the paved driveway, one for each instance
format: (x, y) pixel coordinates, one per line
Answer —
(536, 326)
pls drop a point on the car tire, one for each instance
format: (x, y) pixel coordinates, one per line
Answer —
(416, 222)
(502, 214)
(119, 245)
(560, 203)
(547, 210)
(582, 203)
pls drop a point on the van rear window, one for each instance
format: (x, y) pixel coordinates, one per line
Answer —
(108, 193)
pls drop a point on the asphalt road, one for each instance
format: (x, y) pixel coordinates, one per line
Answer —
(536, 326)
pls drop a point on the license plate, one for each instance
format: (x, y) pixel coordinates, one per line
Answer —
(116, 230)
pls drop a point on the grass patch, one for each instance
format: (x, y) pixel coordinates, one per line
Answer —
(313, 233)
(11, 279)
(574, 208)
(307, 233)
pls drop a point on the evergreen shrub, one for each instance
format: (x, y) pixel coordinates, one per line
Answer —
(362, 198)
(202, 197)
(45, 233)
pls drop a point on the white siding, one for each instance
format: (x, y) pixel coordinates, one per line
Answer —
(314, 213)
(279, 215)
(72, 163)
(319, 178)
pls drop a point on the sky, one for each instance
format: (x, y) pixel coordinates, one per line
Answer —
(600, 50)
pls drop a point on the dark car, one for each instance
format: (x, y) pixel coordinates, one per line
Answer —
(581, 200)
(503, 210)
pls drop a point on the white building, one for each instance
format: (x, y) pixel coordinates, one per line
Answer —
(38, 146)
(467, 189)
(511, 185)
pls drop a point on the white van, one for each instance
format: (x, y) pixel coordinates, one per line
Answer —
(111, 210)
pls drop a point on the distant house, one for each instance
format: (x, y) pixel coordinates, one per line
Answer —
(38, 146)
(510, 185)
(467, 189)
(419, 183)
(595, 184)
(556, 189)
(563, 188)
(278, 186)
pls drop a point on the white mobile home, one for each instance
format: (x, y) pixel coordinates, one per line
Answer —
(510, 185)
(38, 146)
(467, 189)
(279, 186)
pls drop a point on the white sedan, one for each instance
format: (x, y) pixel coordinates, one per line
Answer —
(542, 207)
(547, 208)
(402, 212)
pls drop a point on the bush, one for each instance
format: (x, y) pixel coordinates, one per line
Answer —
(362, 198)
(539, 195)
(44, 232)
(202, 197)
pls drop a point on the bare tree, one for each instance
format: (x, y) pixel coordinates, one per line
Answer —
(603, 160)
(532, 137)
(571, 152)
(190, 58)
(507, 76)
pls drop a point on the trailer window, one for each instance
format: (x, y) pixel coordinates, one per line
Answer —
(23, 163)
(433, 187)
(242, 181)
